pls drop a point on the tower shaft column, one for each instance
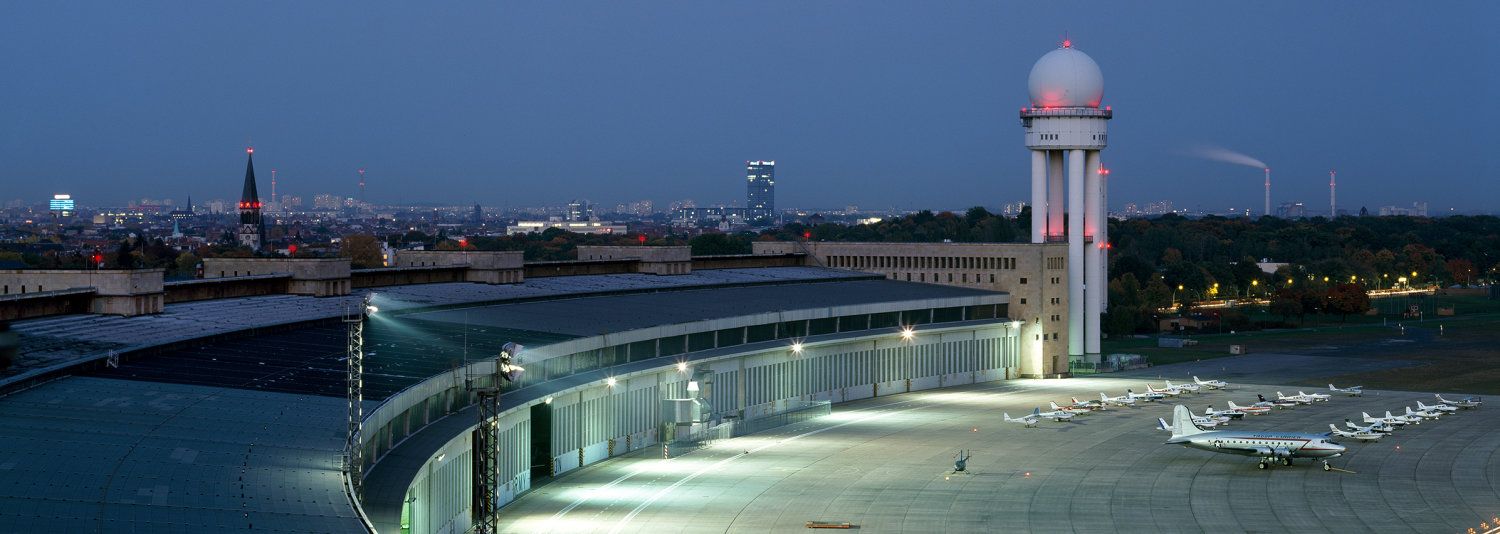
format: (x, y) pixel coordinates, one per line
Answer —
(1038, 196)
(1054, 193)
(1075, 254)
(1093, 216)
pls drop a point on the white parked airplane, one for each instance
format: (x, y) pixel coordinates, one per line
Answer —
(1028, 420)
(1465, 403)
(1382, 428)
(1439, 408)
(1074, 410)
(1424, 414)
(1059, 416)
(1269, 446)
(1408, 418)
(1173, 392)
(1230, 413)
(1210, 384)
(1294, 398)
(1388, 419)
(1088, 404)
(1210, 421)
(1148, 396)
(1365, 435)
(1278, 403)
(1123, 400)
(1190, 388)
(1316, 397)
(1353, 391)
(1255, 409)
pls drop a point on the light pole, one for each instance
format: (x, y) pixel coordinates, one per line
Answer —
(486, 439)
(909, 333)
(354, 380)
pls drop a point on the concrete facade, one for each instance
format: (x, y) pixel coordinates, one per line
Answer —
(1035, 275)
(116, 291)
(318, 277)
(486, 267)
(654, 260)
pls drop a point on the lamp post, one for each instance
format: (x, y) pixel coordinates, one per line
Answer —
(354, 381)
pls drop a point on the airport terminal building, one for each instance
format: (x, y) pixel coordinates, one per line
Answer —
(228, 409)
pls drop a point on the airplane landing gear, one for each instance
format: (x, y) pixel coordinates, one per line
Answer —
(1286, 461)
(1327, 467)
(1264, 464)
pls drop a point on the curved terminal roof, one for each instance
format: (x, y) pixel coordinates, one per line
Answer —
(246, 433)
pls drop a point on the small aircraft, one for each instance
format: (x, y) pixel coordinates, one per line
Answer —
(1123, 400)
(1423, 414)
(1278, 403)
(1438, 408)
(1388, 419)
(1354, 391)
(1415, 420)
(1055, 415)
(1088, 404)
(1465, 403)
(1364, 435)
(1029, 421)
(1269, 446)
(1382, 428)
(1255, 409)
(1294, 398)
(1316, 397)
(1230, 413)
(1210, 420)
(1190, 388)
(1068, 409)
(961, 461)
(1148, 396)
(1210, 384)
(1166, 392)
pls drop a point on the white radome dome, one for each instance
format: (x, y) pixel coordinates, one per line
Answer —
(1066, 78)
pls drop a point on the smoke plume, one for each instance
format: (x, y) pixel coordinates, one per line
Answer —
(1227, 156)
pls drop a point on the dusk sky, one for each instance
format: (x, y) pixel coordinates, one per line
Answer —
(878, 104)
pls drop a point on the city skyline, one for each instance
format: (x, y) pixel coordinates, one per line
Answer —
(521, 114)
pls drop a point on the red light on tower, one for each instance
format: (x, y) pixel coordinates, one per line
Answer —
(641, 238)
(1067, 43)
(807, 234)
(249, 150)
(291, 249)
(463, 242)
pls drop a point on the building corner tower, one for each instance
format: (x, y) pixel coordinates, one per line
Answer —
(1065, 121)
(252, 232)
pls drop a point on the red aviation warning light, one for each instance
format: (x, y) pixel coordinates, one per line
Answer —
(641, 238)
(249, 150)
(291, 249)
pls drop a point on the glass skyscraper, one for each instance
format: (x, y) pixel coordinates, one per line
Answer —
(761, 192)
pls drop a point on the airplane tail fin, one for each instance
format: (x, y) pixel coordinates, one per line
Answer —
(1195, 379)
(1007, 417)
(1053, 405)
(1036, 412)
(1103, 397)
(1367, 416)
(1333, 428)
(1331, 388)
(1182, 422)
(1388, 414)
(1162, 424)
(1233, 406)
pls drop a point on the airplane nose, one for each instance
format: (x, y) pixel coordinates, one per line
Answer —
(1339, 448)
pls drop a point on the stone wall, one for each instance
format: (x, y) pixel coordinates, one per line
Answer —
(318, 277)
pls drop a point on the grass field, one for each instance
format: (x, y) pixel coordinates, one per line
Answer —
(1461, 353)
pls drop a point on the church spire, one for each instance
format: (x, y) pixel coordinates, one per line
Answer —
(249, 197)
(252, 231)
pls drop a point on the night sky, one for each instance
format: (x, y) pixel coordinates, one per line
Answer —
(879, 104)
